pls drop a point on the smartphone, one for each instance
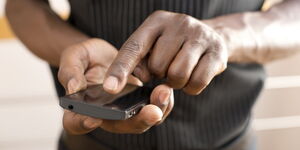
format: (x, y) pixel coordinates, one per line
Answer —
(97, 103)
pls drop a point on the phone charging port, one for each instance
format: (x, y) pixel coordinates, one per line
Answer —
(70, 107)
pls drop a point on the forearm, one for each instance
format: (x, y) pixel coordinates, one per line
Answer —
(40, 29)
(260, 37)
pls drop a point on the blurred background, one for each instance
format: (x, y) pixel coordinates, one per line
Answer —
(31, 118)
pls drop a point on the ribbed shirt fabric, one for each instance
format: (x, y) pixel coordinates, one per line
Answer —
(208, 121)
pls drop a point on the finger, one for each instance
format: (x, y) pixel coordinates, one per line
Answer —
(166, 47)
(130, 54)
(169, 108)
(145, 119)
(134, 81)
(160, 97)
(71, 71)
(95, 75)
(142, 72)
(208, 67)
(184, 63)
(78, 124)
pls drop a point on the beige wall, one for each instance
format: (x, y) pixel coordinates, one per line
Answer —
(29, 111)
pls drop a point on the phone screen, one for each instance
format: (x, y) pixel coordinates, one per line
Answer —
(95, 95)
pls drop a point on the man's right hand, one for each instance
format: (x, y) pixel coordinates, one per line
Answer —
(85, 64)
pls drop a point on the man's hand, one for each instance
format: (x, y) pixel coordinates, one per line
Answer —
(178, 47)
(85, 64)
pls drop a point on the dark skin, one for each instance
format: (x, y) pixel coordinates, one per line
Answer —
(188, 52)
(85, 64)
(185, 50)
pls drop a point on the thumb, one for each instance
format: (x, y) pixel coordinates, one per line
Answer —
(161, 96)
(73, 64)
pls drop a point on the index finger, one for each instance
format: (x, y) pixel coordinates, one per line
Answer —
(130, 54)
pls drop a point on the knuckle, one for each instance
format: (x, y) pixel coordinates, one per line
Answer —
(188, 22)
(218, 56)
(201, 43)
(123, 65)
(130, 54)
(74, 69)
(214, 56)
(218, 45)
(157, 72)
(175, 74)
(156, 15)
(158, 12)
(197, 42)
(134, 47)
(156, 68)
(222, 67)
(202, 83)
(199, 84)
(121, 69)
(158, 18)
(220, 61)
(161, 14)
(185, 18)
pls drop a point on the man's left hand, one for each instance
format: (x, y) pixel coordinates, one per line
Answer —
(178, 47)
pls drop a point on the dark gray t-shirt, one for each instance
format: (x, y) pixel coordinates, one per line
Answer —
(212, 119)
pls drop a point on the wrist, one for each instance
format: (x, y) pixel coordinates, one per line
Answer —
(237, 34)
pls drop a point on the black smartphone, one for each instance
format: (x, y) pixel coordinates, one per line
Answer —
(97, 103)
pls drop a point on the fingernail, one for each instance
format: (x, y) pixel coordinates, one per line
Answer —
(111, 83)
(72, 86)
(163, 97)
(89, 124)
(138, 72)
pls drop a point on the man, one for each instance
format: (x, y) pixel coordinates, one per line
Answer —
(182, 44)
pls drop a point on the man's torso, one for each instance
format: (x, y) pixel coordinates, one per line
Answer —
(219, 114)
